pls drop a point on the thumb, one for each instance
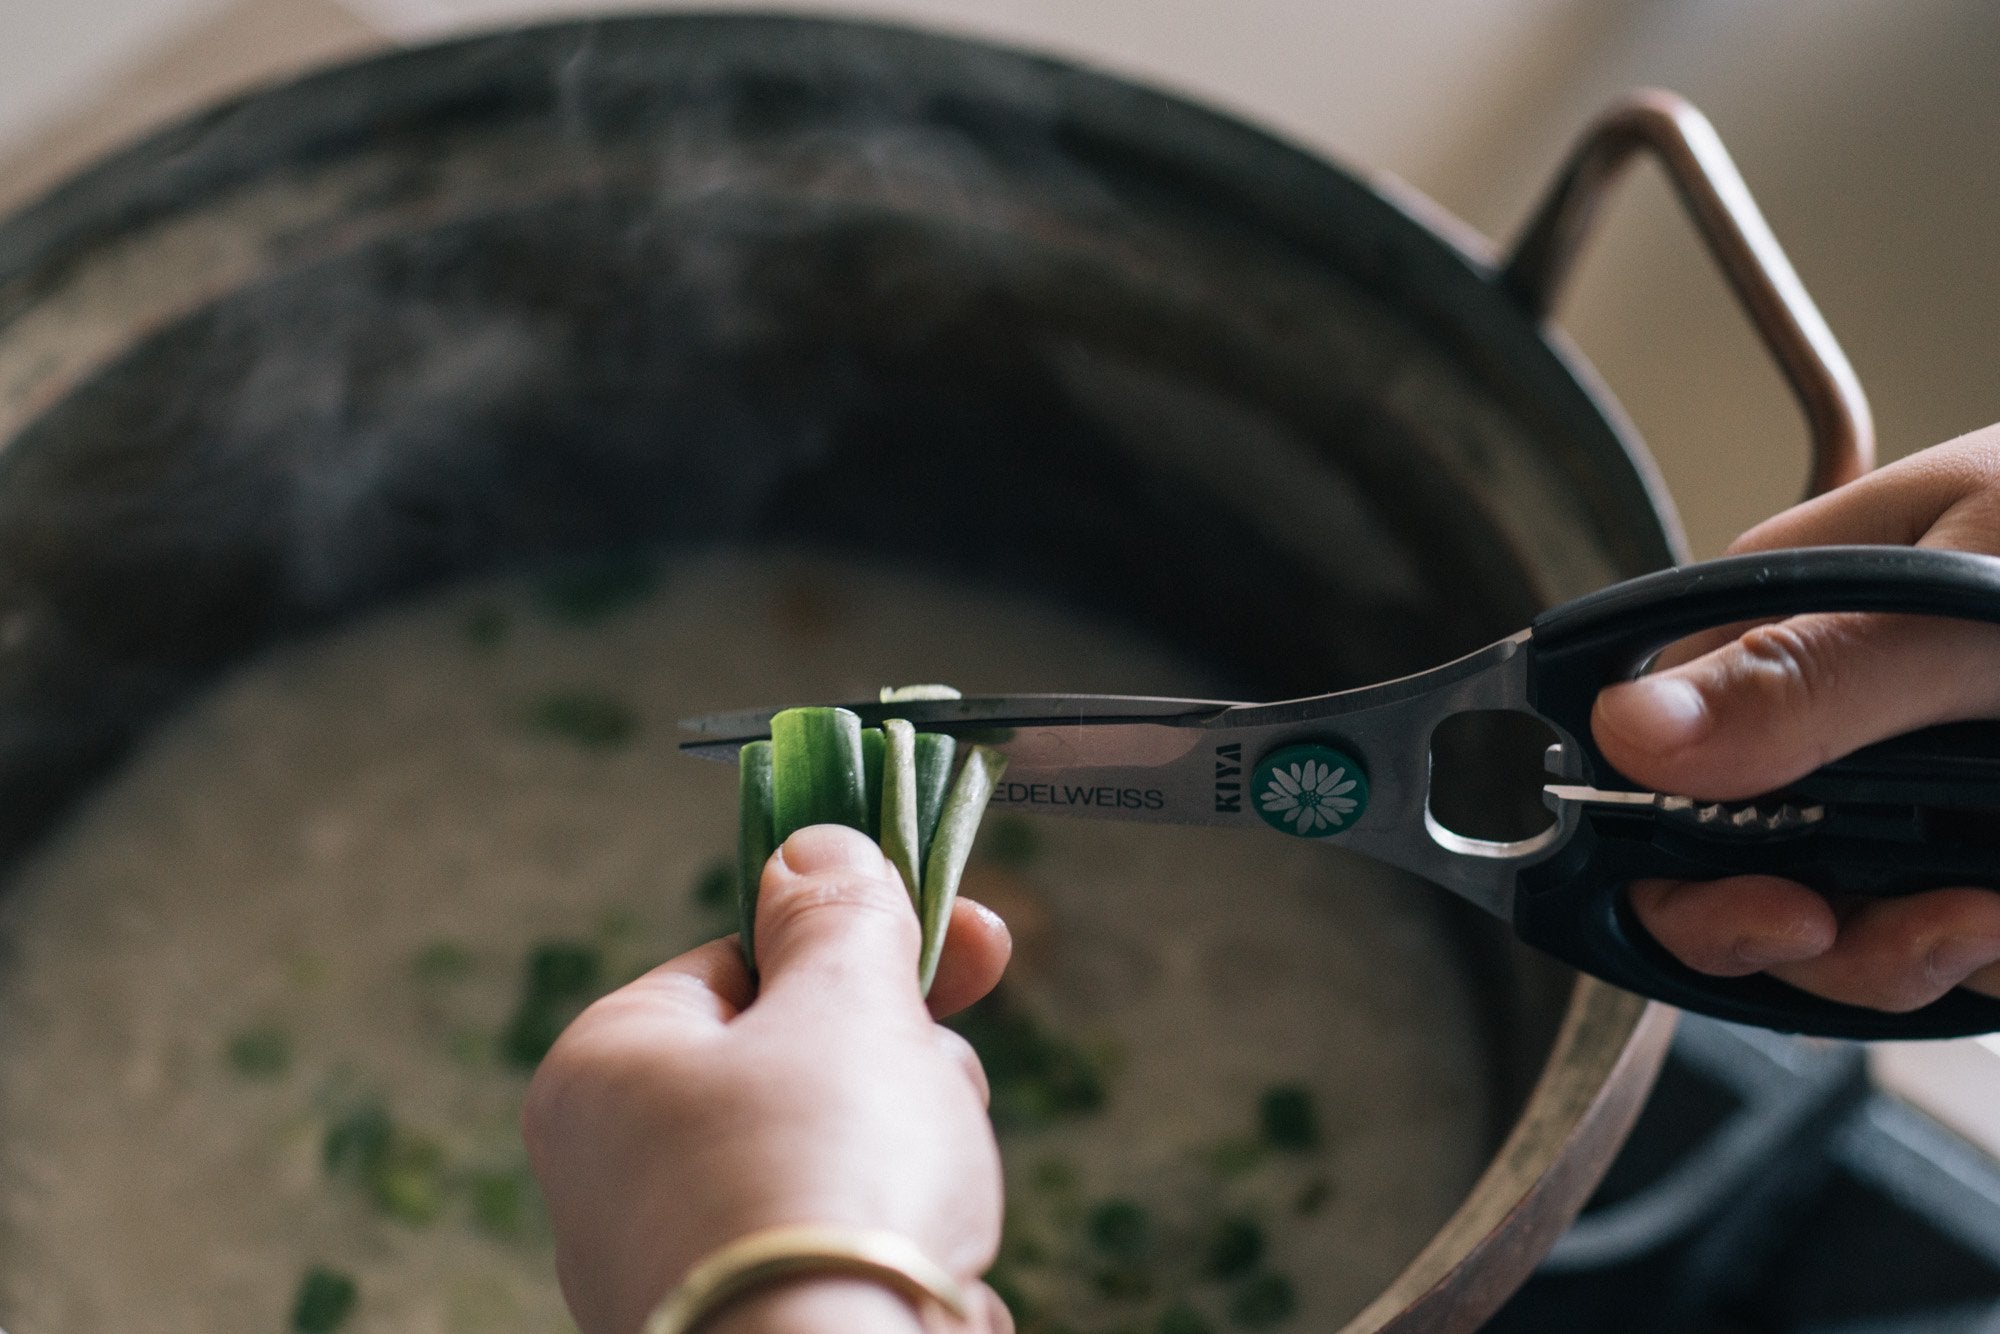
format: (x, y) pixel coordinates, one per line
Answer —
(834, 920)
(1782, 699)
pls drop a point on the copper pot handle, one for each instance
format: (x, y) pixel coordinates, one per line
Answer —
(1686, 146)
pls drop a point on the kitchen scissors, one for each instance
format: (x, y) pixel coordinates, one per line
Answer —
(1353, 770)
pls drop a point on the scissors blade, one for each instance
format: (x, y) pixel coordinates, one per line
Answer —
(1106, 757)
(1194, 762)
(943, 715)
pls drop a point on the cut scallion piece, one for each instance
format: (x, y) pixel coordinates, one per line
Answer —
(935, 752)
(818, 774)
(957, 824)
(871, 777)
(324, 1300)
(755, 839)
(905, 694)
(893, 783)
(901, 836)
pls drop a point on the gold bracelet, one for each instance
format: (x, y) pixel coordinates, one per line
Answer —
(784, 1252)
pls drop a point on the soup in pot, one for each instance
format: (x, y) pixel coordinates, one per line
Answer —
(271, 997)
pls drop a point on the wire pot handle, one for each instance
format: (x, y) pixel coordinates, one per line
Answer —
(1687, 147)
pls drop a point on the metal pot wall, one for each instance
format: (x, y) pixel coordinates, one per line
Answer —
(660, 279)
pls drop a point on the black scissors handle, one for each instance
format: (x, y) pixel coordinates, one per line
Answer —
(1918, 812)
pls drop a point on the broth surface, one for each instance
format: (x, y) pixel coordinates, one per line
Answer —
(308, 900)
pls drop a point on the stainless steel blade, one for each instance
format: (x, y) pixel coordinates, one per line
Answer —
(1192, 762)
(945, 715)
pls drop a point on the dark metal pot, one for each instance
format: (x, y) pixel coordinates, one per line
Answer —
(694, 279)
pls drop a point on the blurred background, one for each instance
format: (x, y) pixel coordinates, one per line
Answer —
(1869, 132)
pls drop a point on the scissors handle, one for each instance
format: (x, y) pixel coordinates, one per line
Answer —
(1921, 811)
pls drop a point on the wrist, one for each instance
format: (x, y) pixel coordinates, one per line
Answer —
(820, 1304)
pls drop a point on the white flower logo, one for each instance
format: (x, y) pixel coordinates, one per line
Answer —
(1310, 795)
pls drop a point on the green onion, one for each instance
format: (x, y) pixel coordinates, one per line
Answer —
(1007, 1288)
(325, 1299)
(408, 1184)
(1120, 1230)
(1011, 842)
(1036, 1077)
(1312, 1197)
(901, 830)
(893, 783)
(872, 744)
(908, 694)
(950, 846)
(261, 1053)
(935, 752)
(357, 1142)
(562, 977)
(715, 887)
(593, 719)
(818, 773)
(502, 1201)
(1285, 1118)
(756, 839)
(1235, 1249)
(588, 593)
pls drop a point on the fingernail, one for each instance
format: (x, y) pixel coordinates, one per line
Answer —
(1761, 951)
(1663, 713)
(1954, 958)
(831, 847)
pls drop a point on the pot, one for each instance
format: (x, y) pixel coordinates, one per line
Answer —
(686, 280)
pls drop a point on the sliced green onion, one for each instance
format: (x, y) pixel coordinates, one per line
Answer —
(935, 752)
(598, 589)
(591, 718)
(818, 774)
(261, 1053)
(893, 783)
(906, 694)
(561, 978)
(1286, 1119)
(957, 825)
(503, 1200)
(755, 839)
(1236, 1248)
(1120, 1230)
(901, 837)
(325, 1299)
(1011, 842)
(357, 1143)
(714, 889)
(871, 778)
(408, 1185)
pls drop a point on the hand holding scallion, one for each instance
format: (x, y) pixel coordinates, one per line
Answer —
(696, 1105)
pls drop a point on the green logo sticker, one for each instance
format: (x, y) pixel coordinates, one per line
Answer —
(1311, 791)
